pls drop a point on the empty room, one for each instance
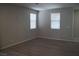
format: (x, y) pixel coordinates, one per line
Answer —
(39, 29)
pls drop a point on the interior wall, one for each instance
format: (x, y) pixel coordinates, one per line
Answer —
(66, 18)
(14, 25)
(76, 24)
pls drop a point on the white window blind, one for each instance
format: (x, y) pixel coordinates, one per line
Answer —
(32, 21)
(55, 21)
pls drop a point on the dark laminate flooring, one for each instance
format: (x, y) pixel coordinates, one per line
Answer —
(43, 47)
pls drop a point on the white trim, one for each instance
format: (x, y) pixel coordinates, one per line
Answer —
(76, 39)
(72, 40)
(73, 25)
(13, 44)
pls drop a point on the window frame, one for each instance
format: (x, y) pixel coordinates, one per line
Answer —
(55, 20)
(35, 21)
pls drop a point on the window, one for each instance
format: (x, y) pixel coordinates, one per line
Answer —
(55, 21)
(32, 21)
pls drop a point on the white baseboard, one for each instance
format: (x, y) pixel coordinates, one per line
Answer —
(72, 40)
(76, 39)
(7, 46)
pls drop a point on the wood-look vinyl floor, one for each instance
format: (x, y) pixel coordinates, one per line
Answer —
(43, 47)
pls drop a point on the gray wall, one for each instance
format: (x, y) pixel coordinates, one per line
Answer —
(65, 31)
(76, 24)
(14, 25)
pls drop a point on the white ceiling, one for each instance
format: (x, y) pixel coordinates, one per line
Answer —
(45, 6)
